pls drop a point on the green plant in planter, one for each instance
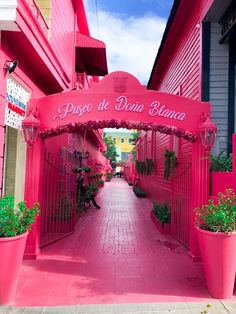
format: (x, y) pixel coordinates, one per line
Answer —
(218, 215)
(221, 162)
(109, 176)
(77, 169)
(162, 212)
(86, 169)
(139, 192)
(16, 220)
(90, 190)
(169, 163)
(100, 182)
(149, 166)
(140, 166)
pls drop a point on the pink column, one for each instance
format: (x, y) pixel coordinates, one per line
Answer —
(33, 178)
(200, 191)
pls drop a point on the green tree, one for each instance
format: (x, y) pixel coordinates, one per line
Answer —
(111, 153)
(135, 136)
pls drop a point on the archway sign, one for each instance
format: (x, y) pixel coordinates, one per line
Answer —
(119, 101)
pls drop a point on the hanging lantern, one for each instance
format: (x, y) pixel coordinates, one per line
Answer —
(207, 132)
(30, 126)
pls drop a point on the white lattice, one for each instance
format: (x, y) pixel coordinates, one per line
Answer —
(16, 103)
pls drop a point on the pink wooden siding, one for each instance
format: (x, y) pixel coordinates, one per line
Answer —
(185, 65)
(154, 185)
(176, 191)
(62, 31)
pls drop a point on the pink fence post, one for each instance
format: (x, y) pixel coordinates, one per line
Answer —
(200, 191)
(33, 187)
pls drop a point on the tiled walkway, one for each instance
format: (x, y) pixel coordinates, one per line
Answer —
(116, 255)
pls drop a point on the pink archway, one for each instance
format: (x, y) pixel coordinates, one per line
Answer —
(120, 101)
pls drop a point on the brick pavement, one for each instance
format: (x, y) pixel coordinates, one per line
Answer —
(116, 257)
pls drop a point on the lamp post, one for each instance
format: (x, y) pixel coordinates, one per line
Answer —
(33, 177)
(207, 132)
(30, 126)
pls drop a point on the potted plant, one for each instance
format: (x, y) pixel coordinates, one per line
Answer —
(15, 223)
(77, 169)
(222, 176)
(86, 169)
(161, 215)
(100, 183)
(215, 223)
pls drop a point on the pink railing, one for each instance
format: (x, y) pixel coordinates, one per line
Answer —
(58, 208)
(181, 195)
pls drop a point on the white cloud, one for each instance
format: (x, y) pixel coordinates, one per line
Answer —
(132, 42)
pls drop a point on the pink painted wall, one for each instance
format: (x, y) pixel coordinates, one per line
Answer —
(179, 65)
(63, 26)
(153, 145)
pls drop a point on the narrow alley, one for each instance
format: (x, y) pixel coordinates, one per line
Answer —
(116, 255)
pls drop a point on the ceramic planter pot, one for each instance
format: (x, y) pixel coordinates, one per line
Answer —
(218, 250)
(11, 256)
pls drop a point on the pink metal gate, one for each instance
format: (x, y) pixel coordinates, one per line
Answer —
(58, 205)
(181, 194)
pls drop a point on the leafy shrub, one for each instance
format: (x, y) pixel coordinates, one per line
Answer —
(100, 182)
(221, 162)
(86, 169)
(139, 192)
(90, 190)
(162, 212)
(109, 176)
(218, 215)
(77, 169)
(16, 220)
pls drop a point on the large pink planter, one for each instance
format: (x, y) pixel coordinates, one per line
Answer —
(219, 261)
(11, 255)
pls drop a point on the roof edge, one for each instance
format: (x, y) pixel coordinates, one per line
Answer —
(170, 20)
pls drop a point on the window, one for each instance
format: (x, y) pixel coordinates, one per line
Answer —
(114, 140)
(122, 140)
(130, 140)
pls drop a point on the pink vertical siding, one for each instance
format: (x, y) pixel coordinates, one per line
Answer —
(185, 66)
(62, 31)
(154, 185)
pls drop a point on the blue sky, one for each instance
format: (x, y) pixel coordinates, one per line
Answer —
(136, 7)
(132, 31)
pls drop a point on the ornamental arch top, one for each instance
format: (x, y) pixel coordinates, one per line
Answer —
(119, 101)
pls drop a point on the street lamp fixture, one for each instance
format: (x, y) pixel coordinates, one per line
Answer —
(10, 66)
(30, 126)
(207, 132)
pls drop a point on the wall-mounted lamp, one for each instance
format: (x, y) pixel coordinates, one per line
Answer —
(10, 66)
(30, 126)
(207, 132)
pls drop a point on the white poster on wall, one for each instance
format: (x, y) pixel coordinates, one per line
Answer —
(16, 103)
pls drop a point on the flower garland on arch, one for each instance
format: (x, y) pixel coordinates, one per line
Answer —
(117, 124)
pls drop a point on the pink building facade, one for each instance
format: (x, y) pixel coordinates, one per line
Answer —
(50, 44)
(196, 61)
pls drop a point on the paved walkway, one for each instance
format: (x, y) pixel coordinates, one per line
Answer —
(115, 259)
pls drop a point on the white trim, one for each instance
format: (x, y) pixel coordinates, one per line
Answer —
(8, 15)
